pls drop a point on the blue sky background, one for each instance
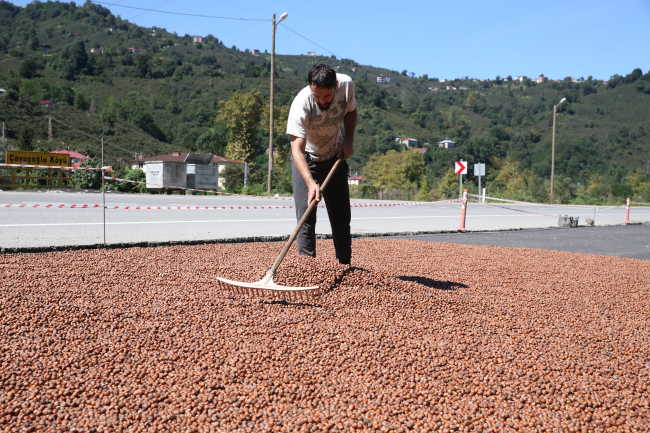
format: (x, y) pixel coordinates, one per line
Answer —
(474, 38)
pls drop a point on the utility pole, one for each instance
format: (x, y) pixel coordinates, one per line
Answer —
(272, 110)
(553, 150)
(553, 154)
(272, 103)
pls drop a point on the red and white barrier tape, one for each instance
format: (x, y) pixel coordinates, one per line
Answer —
(521, 210)
(269, 197)
(193, 189)
(535, 204)
(57, 167)
(87, 206)
(140, 207)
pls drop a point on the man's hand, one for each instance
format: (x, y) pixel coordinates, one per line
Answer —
(345, 149)
(314, 193)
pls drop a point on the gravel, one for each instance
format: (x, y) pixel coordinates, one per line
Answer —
(414, 336)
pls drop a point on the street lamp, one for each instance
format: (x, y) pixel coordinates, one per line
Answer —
(271, 116)
(553, 150)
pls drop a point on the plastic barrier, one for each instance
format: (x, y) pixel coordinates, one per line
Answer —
(627, 211)
(463, 211)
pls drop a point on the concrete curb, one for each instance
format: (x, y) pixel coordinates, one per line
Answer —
(49, 249)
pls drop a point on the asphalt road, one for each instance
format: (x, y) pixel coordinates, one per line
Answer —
(41, 227)
(631, 241)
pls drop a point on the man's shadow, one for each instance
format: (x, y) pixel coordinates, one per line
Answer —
(433, 284)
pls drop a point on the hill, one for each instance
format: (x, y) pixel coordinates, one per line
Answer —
(149, 91)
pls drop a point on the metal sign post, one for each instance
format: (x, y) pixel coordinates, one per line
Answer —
(103, 191)
(479, 170)
(461, 168)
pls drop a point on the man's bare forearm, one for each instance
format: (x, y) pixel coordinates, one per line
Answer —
(350, 124)
(299, 158)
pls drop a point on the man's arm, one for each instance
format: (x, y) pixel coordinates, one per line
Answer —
(350, 124)
(298, 145)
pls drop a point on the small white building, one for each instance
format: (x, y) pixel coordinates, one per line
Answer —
(356, 180)
(180, 157)
(446, 144)
(311, 53)
(197, 39)
(408, 142)
(383, 79)
(255, 52)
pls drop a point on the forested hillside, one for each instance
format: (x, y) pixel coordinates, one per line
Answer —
(166, 96)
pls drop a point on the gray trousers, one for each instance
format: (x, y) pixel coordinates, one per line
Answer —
(337, 201)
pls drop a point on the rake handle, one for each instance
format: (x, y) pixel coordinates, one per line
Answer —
(312, 205)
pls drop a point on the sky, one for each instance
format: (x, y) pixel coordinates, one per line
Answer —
(442, 39)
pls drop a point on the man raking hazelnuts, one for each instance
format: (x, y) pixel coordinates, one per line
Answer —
(318, 154)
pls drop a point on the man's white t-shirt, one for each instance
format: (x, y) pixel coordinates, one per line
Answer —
(321, 128)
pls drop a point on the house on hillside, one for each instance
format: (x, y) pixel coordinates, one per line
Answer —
(383, 79)
(446, 144)
(357, 180)
(75, 157)
(451, 88)
(134, 50)
(219, 161)
(434, 88)
(97, 50)
(408, 142)
(354, 69)
(540, 79)
(49, 104)
(197, 39)
(311, 53)
(255, 52)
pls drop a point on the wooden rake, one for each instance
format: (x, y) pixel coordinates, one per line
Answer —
(266, 284)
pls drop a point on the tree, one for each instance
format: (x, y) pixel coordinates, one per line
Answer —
(142, 69)
(418, 118)
(242, 115)
(395, 169)
(80, 102)
(281, 139)
(25, 139)
(27, 69)
(213, 141)
(470, 104)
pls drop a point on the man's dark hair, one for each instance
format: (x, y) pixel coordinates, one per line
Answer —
(323, 76)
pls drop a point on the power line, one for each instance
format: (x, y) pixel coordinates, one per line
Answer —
(90, 136)
(308, 39)
(180, 13)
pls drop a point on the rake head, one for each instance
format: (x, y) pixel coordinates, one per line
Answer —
(266, 286)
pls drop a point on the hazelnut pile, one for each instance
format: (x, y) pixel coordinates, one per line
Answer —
(413, 336)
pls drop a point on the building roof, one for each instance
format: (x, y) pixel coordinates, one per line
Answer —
(355, 178)
(72, 153)
(180, 157)
(45, 102)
